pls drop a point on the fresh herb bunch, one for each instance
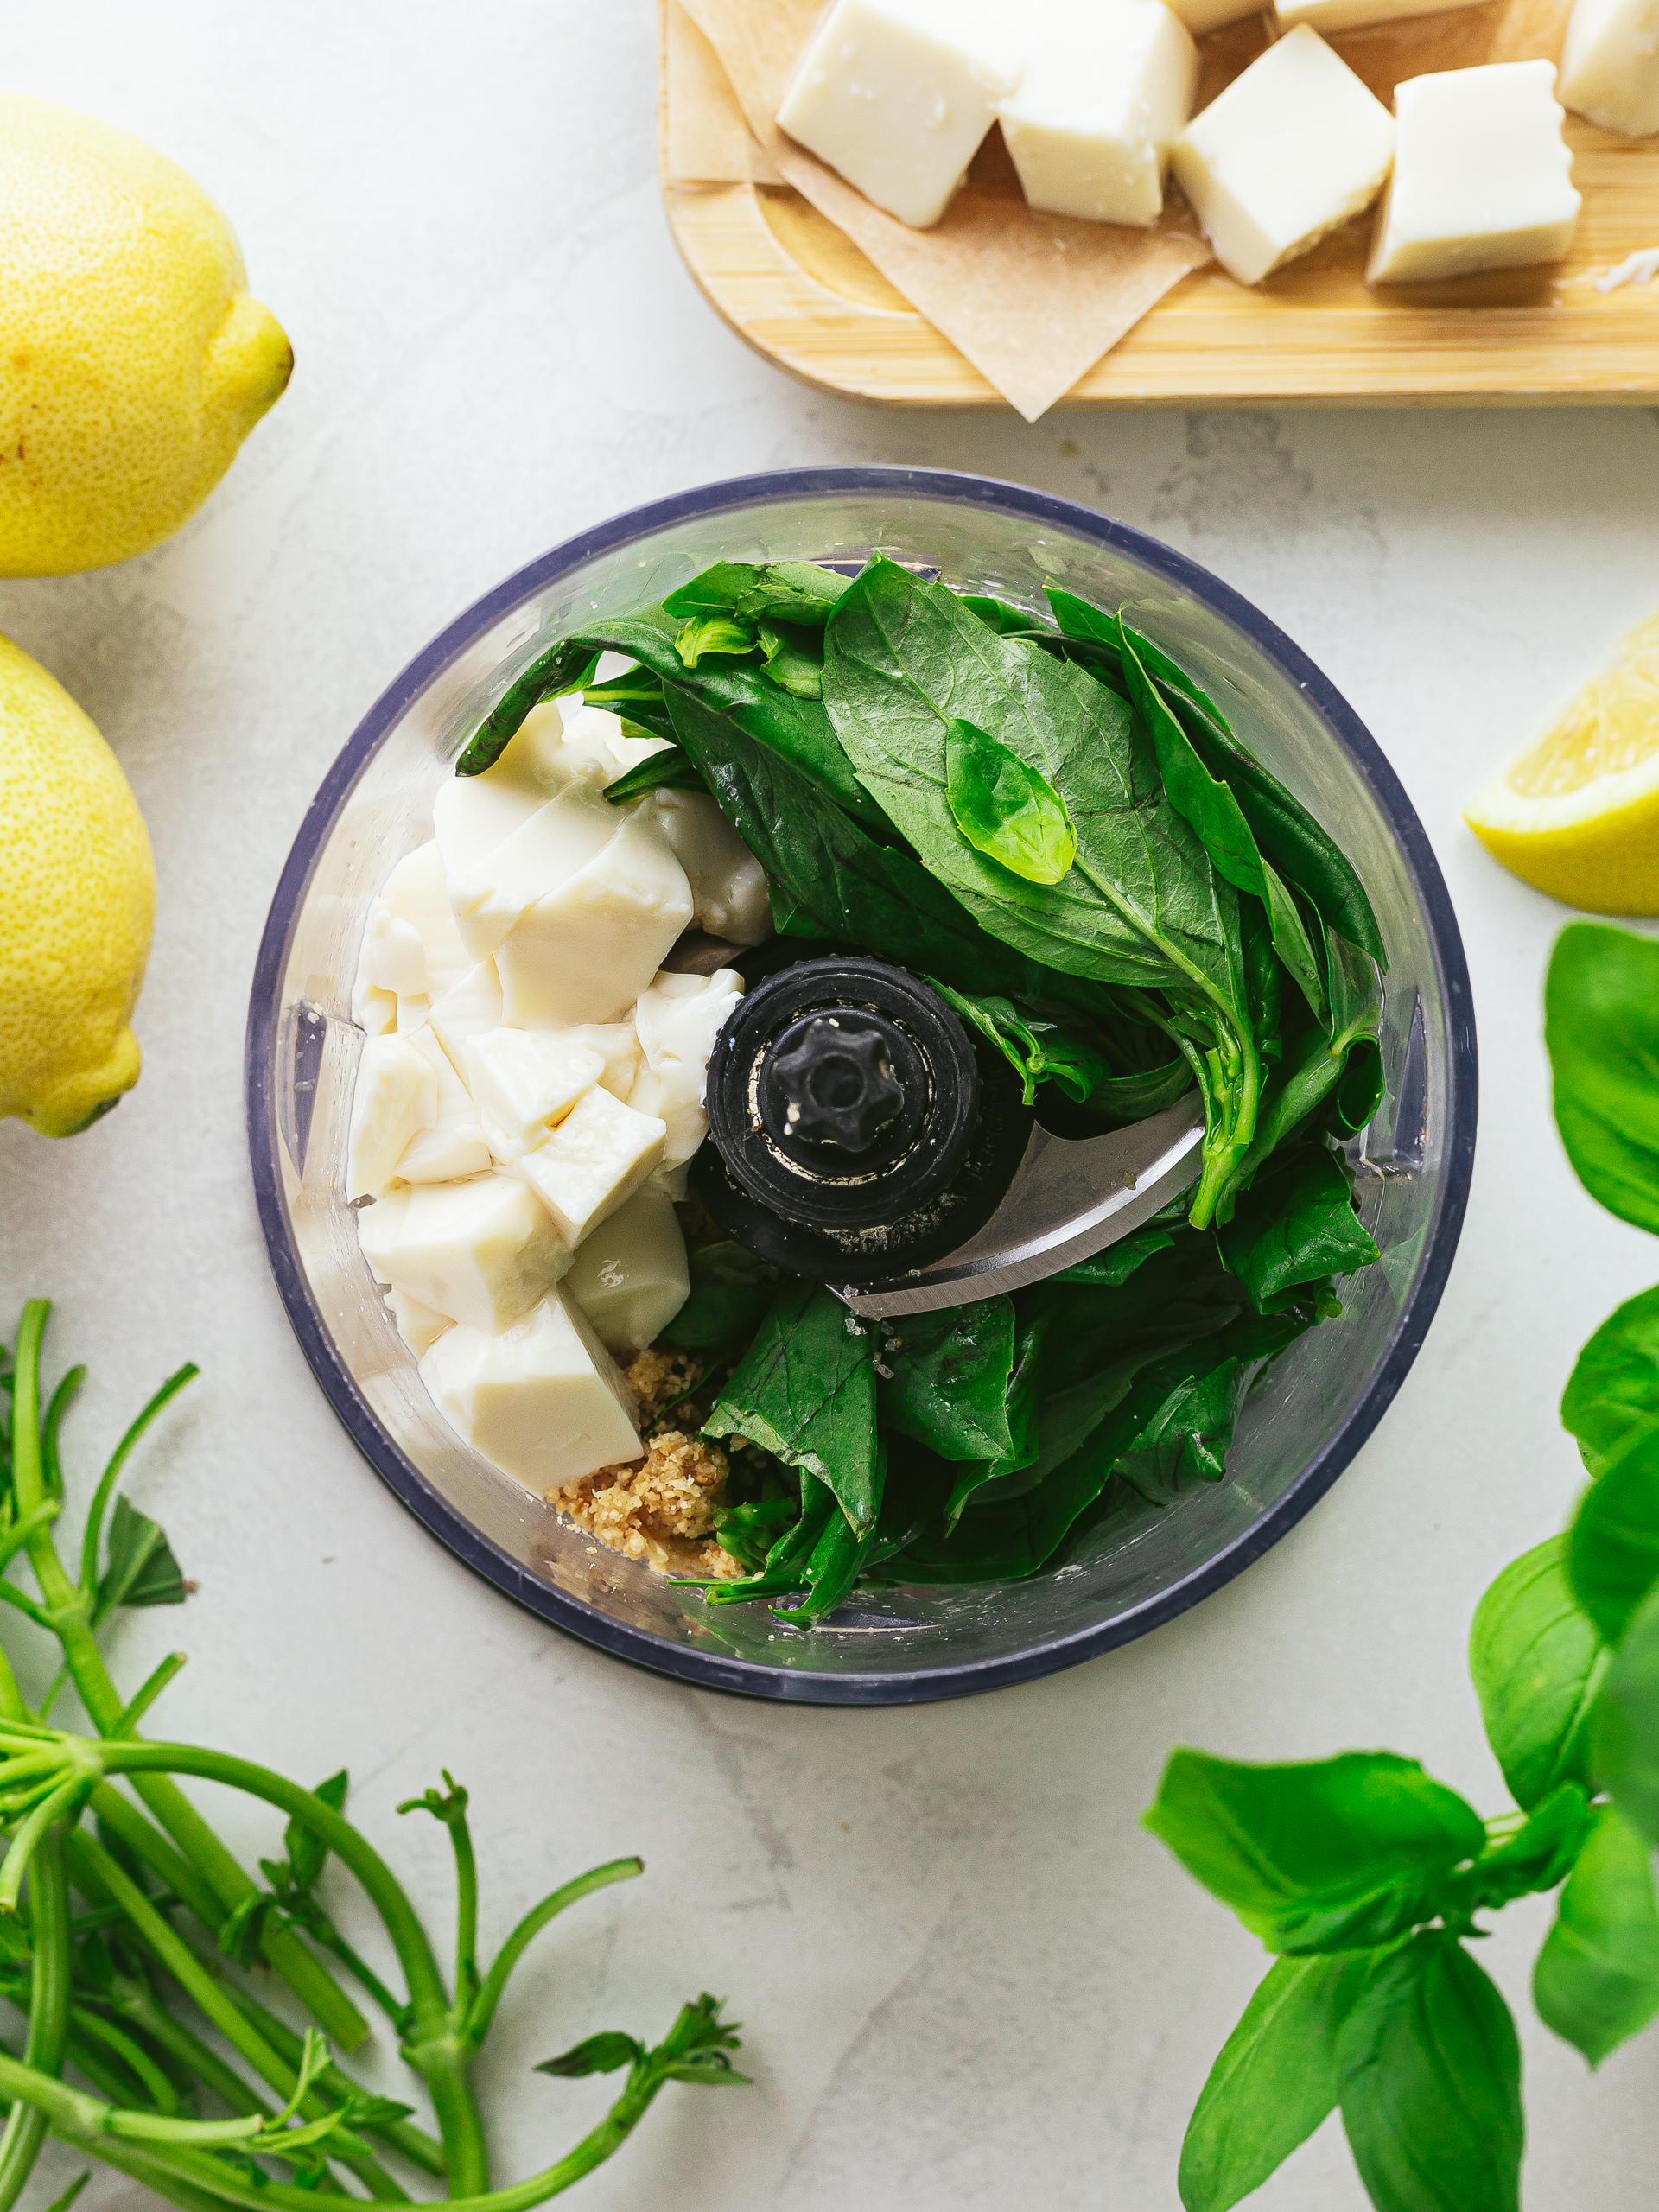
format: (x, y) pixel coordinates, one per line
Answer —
(1367, 1878)
(1051, 820)
(127, 1927)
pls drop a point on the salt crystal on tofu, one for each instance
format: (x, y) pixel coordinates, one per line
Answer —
(395, 1095)
(631, 1277)
(482, 1252)
(542, 1399)
(524, 1080)
(1294, 147)
(455, 1144)
(586, 951)
(1106, 90)
(594, 1161)
(897, 95)
(1482, 176)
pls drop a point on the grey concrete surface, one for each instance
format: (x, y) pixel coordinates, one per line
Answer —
(969, 1978)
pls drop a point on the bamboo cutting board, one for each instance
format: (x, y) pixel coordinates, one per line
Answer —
(804, 295)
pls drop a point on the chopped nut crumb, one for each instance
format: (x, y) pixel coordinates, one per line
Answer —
(660, 1509)
(658, 1378)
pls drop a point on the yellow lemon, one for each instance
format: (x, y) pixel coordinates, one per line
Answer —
(1578, 814)
(132, 361)
(77, 898)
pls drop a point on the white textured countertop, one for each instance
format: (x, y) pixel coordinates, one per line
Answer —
(969, 1978)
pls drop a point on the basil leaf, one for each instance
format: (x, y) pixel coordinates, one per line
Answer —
(996, 614)
(671, 770)
(1334, 1854)
(1175, 1426)
(140, 1568)
(806, 1391)
(307, 1851)
(1119, 1261)
(1612, 1547)
(1020, 1420)
(1006, 809)
(769, 591)
(712, 634)
(1625, 1722)
(1431, 2084)
(1614, 1385)
(830, 1571)
(1040, 1051)
(1536, 1664)
(950, 1377)
(1209, 805)
(566, 666)
(731, 1289)
(1296, 1224)
(601, 2054)
(1538, 1856)
(1601, 1025)
(794, 659)
(1275, 2081)
(1597, 1979)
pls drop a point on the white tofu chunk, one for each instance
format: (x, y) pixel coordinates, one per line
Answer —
(467, 1009)
(1106, 91)
(617, 1046)
(1202, 16)
(1294, 147)
(472, 815)
(396, 1094)
(897, 95)
(1482, 176)
(377, 1230)
(586, 952)
(630, 1277)
(1328, 16)
(677, 1020)
(593, 1163)
(417, 1324)
(525, 1081)
(454, 1146)
(482, 1252)
(543, 1400)
(393, 957)
(1610, 66)
(416, 893)
(729, 898)
(373, 1010)
(541, 855)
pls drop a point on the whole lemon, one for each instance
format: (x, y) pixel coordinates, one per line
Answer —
(77, 900)
(132, 361)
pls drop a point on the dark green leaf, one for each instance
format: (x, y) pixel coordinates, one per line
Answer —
(794, 658)
(671, 770)
(564, 667)
(996, 614)
(1334, 1854)
(601, 2054)
(1625, 1722)
(1596, 1981)
(1175, 1425)
(1208, 804)
(1006, 809)
(783, 591)
(1295, 1224)
(141, 1569)
(806, 1391)
(833, 1566)
(1601, 1024)
(1614, 1385)
(1275, 2081)
(1431, 2084)
(1022, 1423)
(731, 1289)
(1612, 1547)
(307, 1851)
(1119, 1261)
(949, 1378)
(1040, 1052)
(1536, 1661)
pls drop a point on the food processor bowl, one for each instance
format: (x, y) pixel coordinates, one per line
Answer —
(1142, 1565)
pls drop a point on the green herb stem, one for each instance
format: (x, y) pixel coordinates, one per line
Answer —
(495, 1981)
(49, 2009)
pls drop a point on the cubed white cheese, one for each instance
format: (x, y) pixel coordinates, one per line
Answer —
(1106, 90)
(1482, 176)
(377, 1230)
(454, 1146)
(897, 95)
(524, 1080)
(1610, 66)
(543, 1400)
(482, 1252)
(416, 893)
(631, 1278)
(729, 898)
(393, 957)
(594, 1161)
(545, 850)
(396, 1094)
(467, 1009)
(1328, 16)
(417, 1324)
(1293, 147)
(587, 951)
(677, 1020)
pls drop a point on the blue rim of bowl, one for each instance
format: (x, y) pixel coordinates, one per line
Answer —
(712, 1670)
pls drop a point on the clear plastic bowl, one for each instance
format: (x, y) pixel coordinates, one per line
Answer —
(1319, 1403)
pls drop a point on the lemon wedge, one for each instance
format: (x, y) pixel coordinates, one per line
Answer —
(1578, 816)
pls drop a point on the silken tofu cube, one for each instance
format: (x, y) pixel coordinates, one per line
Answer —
(585, 952)
(1328, 16)
(1610, 66)
(377, 1230)
(482, 1252)
(543, 852)
(454, 1146)
(542, 1399)
(1107, 90)
(729, 894)
(631, 1277)
(677, 1020)
(897, 95)
(466, 1009)
(1292, 149)
(417, 1324)
(396, 1095)
(593, 1163)
(418, 894)
(1483, 178)
(525, 1081)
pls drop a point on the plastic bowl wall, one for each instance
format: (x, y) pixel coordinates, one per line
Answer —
(1319, 1403)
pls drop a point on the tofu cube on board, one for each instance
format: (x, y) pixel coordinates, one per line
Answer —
(396, 1095)
(586, 951)
(1610, 65)
(898, 94)
(1293, 147)
(593, 1163)
(524, 1082)
(542, 1399)
(1107, 87)
(1327, 15)
(631, 1276)
(482, 1252)
(1482, 176)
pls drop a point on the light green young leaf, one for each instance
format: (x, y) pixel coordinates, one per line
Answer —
(1612, 1547)
(1536, 1664)
(1601, 1024)
(1006, 809)
(712, 634)
(1625, 1724)
(1596, 1981)
(1614, 1388)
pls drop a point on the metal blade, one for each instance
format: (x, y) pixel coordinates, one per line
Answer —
(1067, 1201)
